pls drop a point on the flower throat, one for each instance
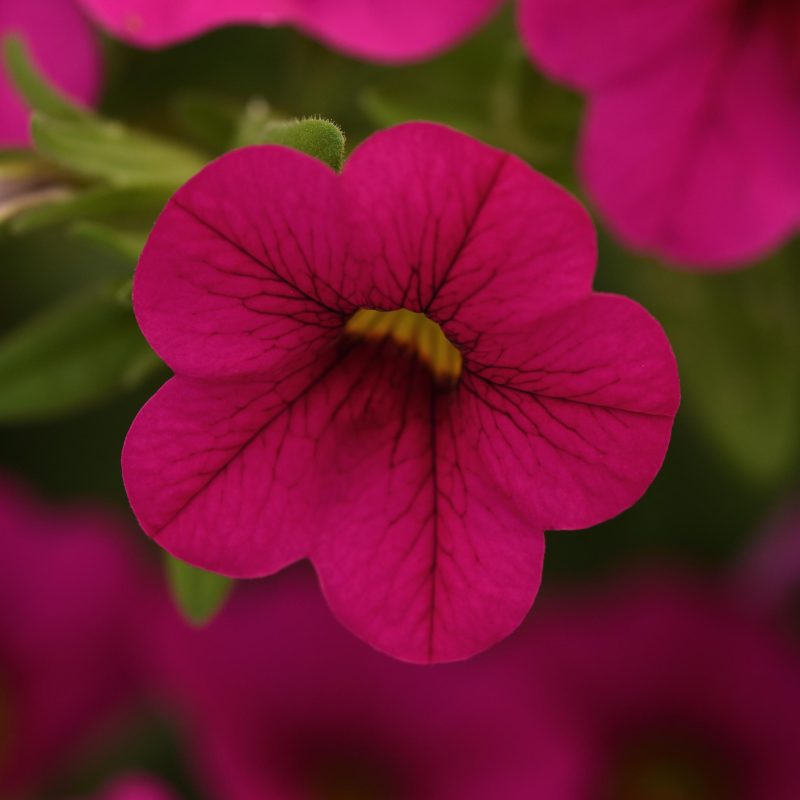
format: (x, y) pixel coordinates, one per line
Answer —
(412, 331)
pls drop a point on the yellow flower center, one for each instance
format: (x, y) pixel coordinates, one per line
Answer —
(413, 331)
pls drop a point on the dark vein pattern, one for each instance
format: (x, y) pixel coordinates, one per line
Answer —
(421, 504)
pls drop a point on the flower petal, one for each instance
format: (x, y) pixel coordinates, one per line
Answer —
(422, 506)
(469, 235)
(591, 44)
(385, 30)
(65, 48)
(154, 23)
(376, 29)
(223, 474)
(698, 161)
(573, 420)
(358, 466)
(426, 561)
(236, 280)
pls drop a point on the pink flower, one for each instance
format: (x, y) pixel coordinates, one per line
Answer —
(690, 143)
(375, 29)
(70, 593)
(302, 710)
(416, 456)
(677, 692)
(63, 45)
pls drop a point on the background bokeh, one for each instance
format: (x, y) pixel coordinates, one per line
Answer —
(735, 454)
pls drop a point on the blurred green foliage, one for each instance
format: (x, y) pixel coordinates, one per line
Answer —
(77, 352)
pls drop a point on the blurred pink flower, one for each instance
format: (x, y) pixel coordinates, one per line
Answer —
(300, 425)
(62, 44)
(374, 29)
(768, 576)
(70, 590)
(690, 143)
(677, 691)
(277, 701)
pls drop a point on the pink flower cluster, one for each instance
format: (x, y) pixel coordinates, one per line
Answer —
(71, 594)
(652, 682)
(376, 29)
(401, 374)
(689, 146)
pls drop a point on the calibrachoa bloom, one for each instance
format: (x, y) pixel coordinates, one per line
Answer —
(70, 593)
(304, 711)
(62, 44)
(677, 691)
(375, 29)
(399, 372)
(690, 142)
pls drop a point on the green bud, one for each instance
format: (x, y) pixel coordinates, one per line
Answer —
(316, 137)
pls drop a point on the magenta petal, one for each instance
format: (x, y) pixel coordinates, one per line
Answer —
(425, 560)
(573, 419)
(350, 467)
(591, 44)
(690, 142)
(700, 170)
(63, 45)
(460, 573)
(421, 504)
(220, 474)
(385, 30)
(376, 29)
(245, 268)
(468, 234)
(154, 23)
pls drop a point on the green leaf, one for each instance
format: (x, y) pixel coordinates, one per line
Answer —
(137, 205)
(125, 244)
(198, 594)
(73, 355)
(316, 137)
(109, 151)
(88, 145)
(36, 90)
